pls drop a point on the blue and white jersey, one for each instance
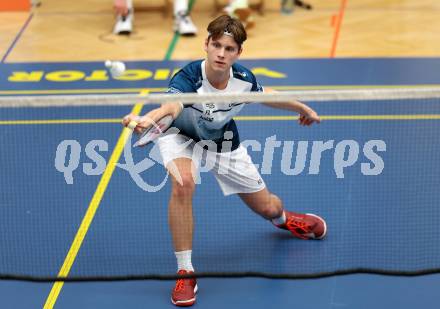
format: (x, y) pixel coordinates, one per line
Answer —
(210, 121)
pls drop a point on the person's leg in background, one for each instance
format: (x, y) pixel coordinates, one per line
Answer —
(183, 23)
(240, 9)
(124, 16)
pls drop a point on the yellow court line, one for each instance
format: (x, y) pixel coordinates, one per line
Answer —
(90, 213)
(161, 89)
(81, 91)
(238, 118)
(59, 121)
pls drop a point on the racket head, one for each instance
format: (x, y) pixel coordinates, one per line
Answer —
(154, 131)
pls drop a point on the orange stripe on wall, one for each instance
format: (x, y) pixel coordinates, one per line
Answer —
(15, 5)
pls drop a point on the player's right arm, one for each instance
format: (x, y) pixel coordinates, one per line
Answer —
(182, 82)
(173, 108)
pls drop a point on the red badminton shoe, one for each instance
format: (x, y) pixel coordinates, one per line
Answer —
(304, 226)
(184, 293)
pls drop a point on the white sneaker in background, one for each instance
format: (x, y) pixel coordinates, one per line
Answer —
(124, 24)
(241, 11)
(184, 25)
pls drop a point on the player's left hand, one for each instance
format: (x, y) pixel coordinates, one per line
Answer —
(308, 117)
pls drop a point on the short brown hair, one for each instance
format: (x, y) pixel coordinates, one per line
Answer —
(225, 23)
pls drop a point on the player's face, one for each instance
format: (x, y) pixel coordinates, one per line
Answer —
(222, 53)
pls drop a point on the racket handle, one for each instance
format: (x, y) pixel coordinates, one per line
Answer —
(132, 124)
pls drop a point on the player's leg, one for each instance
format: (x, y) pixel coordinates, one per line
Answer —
(264, 203)
(269, 206)
(181, 225)
(180, 204)
(236, 174)
(176, 151)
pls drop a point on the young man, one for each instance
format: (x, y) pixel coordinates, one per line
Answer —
(213, 122)
(124, 17)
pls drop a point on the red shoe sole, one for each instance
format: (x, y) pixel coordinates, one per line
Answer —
(188, 302)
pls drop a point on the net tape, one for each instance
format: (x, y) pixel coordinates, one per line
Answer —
(193, 98)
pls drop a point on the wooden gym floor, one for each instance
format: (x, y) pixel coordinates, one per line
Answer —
(61, 30)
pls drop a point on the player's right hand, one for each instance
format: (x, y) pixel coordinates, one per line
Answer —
(132, 117)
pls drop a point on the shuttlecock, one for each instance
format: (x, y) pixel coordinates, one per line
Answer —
(117, 68)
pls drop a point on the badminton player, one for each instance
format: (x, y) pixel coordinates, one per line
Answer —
(213, 122)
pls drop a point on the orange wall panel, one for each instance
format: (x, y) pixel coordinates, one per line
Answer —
(15, 5)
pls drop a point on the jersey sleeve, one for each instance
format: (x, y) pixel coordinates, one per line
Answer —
(181, 83)
(256, 87)
(186, 80)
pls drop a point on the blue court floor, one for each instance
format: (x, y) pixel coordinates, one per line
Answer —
(384, 221)
(353, 291)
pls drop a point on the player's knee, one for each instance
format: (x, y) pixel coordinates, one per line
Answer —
(183, 187)
(270, 212)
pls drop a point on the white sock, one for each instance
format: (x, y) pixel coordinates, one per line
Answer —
(180, 6)
(184, 260)
(280, 220)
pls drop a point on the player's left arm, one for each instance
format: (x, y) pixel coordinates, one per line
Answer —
(307, 115)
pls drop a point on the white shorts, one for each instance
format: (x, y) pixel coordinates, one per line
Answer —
(233, 170)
